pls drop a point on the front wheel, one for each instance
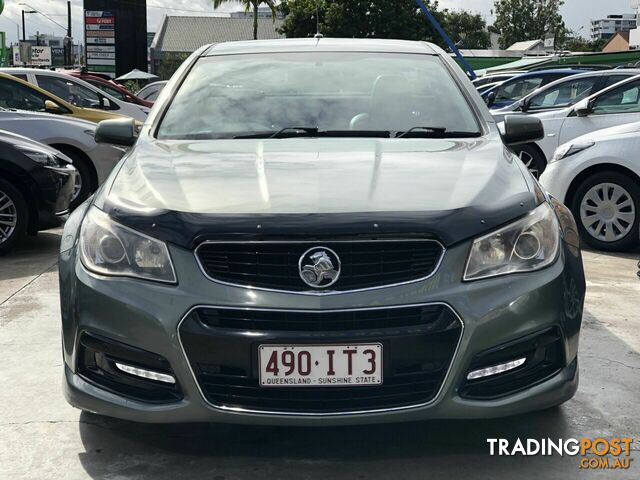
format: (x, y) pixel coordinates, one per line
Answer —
(13, 216)
(532, 159)
(607, 209)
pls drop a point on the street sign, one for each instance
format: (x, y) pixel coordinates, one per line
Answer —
(100, 39)
(40, 56)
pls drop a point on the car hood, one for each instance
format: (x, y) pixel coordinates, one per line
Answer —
(16, 140)
(298, 185)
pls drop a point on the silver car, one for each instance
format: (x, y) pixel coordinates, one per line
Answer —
(74, 138)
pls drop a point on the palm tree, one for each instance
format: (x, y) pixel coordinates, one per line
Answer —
(252, 4)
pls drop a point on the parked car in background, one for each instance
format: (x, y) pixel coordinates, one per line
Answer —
(486, 87)
(598, 176)
(321, 254)
(616, 105)
(109, 86)
(560, 94)
(16, 93)
(495, 78)
(74, 138)
(77, 91)
(36, 188)
(565, 92)
(150, 92)
(514, 89)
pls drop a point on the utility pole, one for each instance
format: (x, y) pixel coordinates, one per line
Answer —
(24, 35)
(68, 43)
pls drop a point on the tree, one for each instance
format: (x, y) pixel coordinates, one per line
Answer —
(520, 20)
(467, 30)
(252, 5)
(575, 43)
(400, 19)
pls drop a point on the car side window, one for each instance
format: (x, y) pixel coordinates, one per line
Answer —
(563, 95)
(518, 89)
(153, 95)
(613, 79)
(624, 99)
(70, 91)
(21, 76)
(111, 91)
(16, 95)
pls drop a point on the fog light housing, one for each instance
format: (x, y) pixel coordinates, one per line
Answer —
(148, 374)
(496, 369)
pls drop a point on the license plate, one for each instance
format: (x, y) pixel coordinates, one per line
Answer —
(320, 365)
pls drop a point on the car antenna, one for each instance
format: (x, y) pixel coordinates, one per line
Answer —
(318, 34)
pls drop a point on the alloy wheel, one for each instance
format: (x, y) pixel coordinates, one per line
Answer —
(8, 217)
(77, 187)
(529, 162)
(607, 212)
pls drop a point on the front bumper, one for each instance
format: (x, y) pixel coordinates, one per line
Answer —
(56, 185)
(494, 312)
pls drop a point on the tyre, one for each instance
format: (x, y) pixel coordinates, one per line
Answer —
(14, 217)
(85, 183)
(607, 209)
(532, 159)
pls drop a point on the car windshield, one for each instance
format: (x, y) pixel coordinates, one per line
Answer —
(341, 93)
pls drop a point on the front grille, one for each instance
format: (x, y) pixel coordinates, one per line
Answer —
(432, 317)
(418, 347)
(365, 263)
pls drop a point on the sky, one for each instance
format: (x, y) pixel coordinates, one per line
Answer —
(577, 13)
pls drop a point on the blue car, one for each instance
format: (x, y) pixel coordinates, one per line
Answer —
(516, 88)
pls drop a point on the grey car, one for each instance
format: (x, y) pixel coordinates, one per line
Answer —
(320, 232)
(74, 138)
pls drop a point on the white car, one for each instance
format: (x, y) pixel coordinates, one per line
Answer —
(73, 137)
(77, 91)
(598, 177)
(613, 106)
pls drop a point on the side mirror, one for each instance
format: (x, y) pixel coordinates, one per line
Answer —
(583, 108)
(105, 103)
(520, 129)
(120, 131)
(52, 107)
(524, 105)
(490, 99)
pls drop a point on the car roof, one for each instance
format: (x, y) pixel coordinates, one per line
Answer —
(543, 73)
(321, 44)
(64, 103)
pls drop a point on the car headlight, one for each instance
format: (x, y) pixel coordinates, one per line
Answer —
(569, 149)
(43, 157)
(530, 243)
(108, 248)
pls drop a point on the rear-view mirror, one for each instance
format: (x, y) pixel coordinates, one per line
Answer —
(521, 129)
(490, 99)
(583, 108)
(120, 131)
(51, 107)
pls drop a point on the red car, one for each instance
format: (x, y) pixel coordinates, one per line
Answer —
(107, 85)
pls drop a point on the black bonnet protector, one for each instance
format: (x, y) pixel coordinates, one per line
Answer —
(187, 230)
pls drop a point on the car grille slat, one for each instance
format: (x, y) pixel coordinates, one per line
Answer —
(365, 263)
(419, 343)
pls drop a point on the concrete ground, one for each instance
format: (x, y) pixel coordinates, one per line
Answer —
(41, 437)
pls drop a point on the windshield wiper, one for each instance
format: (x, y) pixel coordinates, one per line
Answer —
(435, 132)
(306, 131)
(290, 132)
